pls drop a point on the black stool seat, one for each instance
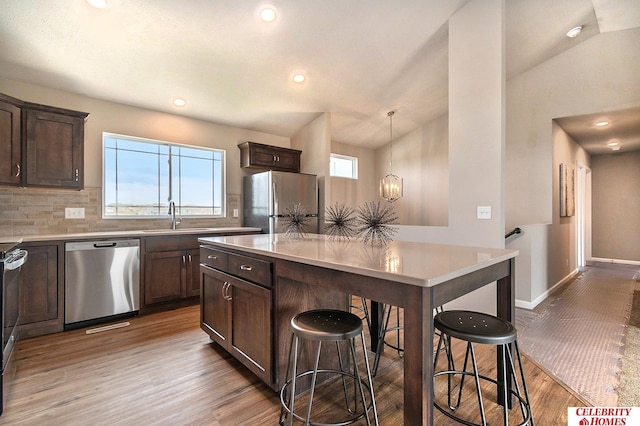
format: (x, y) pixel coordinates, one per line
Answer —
(476, 327)
(326, 325)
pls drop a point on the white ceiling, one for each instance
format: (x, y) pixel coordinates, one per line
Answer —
(362, 59)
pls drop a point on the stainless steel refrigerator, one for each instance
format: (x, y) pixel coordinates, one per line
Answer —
(269, 196)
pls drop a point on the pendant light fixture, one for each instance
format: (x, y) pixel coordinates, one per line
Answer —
(391, 185)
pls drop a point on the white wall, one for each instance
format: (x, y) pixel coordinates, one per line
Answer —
(476, 138)
(127, 120)
(314, 140)
(616, 187)
(599, 74)
(421, 159)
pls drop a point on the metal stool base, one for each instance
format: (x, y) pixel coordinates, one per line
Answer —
(527, 416)
(285, 389)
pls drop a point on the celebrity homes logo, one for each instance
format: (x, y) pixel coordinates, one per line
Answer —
(603, 416)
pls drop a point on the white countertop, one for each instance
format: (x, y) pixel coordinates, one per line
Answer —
(420, 264)
(129, 234)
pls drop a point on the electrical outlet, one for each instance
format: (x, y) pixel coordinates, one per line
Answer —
(74, 213)
(484, 212)
(235, 212)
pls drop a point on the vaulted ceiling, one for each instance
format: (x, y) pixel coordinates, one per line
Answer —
(360, 59)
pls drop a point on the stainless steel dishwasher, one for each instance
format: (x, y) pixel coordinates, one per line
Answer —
(102, 281)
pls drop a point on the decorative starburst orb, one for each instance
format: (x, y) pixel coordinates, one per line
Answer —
(341, 221)
(373, 223)
(295, 221)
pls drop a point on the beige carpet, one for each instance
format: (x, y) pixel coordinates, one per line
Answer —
(578, 334)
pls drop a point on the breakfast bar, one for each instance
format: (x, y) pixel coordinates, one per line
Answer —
(415, 276)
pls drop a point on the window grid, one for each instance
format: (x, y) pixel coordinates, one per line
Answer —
(137, 178)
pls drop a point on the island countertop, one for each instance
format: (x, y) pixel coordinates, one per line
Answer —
(420, 264)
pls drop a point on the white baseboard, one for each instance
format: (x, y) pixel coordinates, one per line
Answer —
(531, 305)
(626, 262)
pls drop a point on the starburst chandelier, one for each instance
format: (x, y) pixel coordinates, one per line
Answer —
(391, 185)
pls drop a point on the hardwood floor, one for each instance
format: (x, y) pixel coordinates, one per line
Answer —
(163, 370)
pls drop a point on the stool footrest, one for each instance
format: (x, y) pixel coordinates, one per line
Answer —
(355, 418)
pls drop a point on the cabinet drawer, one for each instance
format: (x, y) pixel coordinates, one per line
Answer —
(214, 258)
(255, 270)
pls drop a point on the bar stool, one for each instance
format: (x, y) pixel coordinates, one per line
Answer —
(476, 327)
(327, 325)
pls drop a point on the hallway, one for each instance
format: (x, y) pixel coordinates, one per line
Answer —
(578, 334)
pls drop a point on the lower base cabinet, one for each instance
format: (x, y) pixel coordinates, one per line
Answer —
(41, 291)
(237, 315)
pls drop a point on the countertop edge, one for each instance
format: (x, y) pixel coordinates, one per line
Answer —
(130, 234)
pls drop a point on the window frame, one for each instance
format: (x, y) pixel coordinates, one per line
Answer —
(170, 172)
(354, 165)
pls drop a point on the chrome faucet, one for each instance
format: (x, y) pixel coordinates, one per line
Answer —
(172, 212)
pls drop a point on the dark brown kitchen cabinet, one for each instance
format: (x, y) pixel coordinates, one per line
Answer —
(235, 312)
(54, 141)
(171, 275)
(10, 141)
(267, 157)
(171, 269)
(41, 291)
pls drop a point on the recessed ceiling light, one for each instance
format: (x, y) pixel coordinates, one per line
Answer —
(98, 4)
(298, 78)
(613, 143)
(179, 102)
(574, 32)
(602, 123)
(268, 13)
(615, 148)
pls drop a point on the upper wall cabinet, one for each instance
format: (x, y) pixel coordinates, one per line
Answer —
(266, 157)
(10, 146)
(54, 146)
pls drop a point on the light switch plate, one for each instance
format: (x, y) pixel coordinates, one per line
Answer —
(74, 213)
(484, 212)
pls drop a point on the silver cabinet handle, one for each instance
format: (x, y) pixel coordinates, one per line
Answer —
(212, 256)
(246, 267)
(189, 257)
(17, 169)
(184, 259)
(225, 291)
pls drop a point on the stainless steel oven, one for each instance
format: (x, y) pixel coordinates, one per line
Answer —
(11, 261)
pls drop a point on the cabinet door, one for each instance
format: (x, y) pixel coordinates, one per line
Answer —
(10, 150)
(54, 156)
(251, 327)
(39, 285)
(255, 155)
(215, 309)
(164, 276)
(287, 160)
(193, 272)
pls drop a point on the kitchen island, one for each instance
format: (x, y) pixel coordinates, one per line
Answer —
(415, 276)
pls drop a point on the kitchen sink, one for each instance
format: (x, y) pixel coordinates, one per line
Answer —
(178, 230)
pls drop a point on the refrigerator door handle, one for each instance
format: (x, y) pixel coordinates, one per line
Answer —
(274, 195)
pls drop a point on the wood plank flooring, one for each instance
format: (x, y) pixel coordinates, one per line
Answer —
(163, 370)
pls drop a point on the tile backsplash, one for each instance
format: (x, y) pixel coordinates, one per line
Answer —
(38, 211)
